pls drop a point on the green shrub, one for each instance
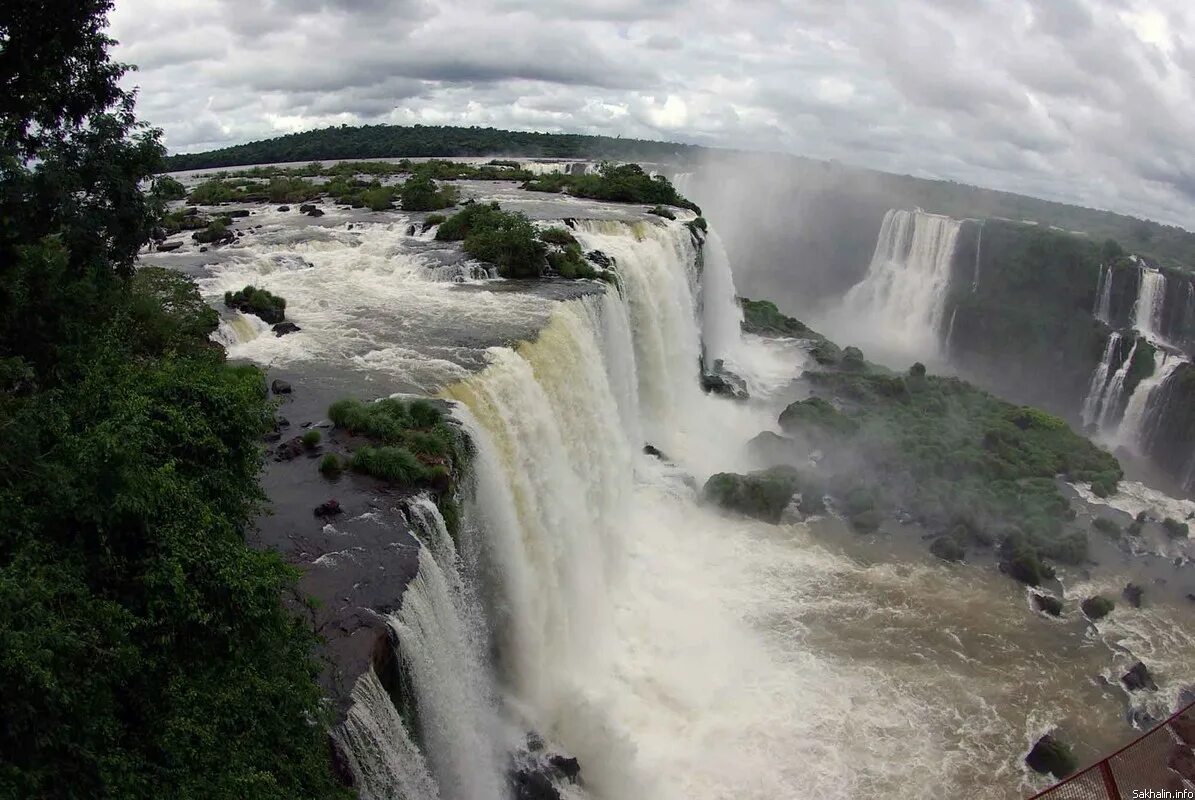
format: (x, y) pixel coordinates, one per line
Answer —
(1097, 607)
(948, 548)
(867, 521)
(505, 239)
(623, 183)
(216, 231)
(420, 193)
(817, 417)
(1175, 529)
(168, 188)
(311, 439)
(570, 263)
(252, 300)
(331, 466)
(1107, 526)
(424, 413)
(389, 463)
(852, 359)
(558, 235)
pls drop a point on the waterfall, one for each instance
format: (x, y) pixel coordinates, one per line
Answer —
(442, 644)
(1099, 379)
(239, 329)
(1133, 424)
(1111, 401)
(978, 250)
(722, 317)
(1151, 300)
(385, 762)
(1103, 302)
(903, 294)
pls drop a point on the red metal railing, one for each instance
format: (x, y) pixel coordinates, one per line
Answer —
(1160, 761)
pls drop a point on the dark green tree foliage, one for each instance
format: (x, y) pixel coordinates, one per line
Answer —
(624, 183)
(763, 495)
(252, 300)
(420, 193)
(393, 141)
(144, 648)
(416, 446)
(505, 239)
(763, 318)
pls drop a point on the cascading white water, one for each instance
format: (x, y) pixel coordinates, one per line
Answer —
(1133, 424)
(385, 762)
(902, 297)
(1103, 294)
(978, 252)
(1151, 300)
(442, 645)
(1114, 391)
(240, 329)
(722, 317)
(1093, 402)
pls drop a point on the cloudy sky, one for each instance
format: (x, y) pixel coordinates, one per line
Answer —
(1086, 101)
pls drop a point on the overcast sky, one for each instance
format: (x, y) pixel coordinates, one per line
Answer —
(1085, 101)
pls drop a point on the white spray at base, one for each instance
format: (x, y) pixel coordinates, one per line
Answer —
(902, 298)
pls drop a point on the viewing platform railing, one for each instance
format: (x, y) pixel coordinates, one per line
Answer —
(1159, 765)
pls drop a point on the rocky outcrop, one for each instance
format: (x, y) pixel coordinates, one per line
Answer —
(1097, 607)
(1051, 756)
(1138, 678)
(1047, 604)
(283, 328)
(721, 381)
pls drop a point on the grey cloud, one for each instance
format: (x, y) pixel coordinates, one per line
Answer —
(1080, 100)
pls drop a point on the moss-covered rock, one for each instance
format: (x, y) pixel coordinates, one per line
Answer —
(1097, 607)
(948, 548)
(1047, 604)
(763, 495)
(817, 417)
(1175, 529)
(252, 300)
(1051, 756)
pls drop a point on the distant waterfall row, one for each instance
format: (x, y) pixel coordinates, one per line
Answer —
(903, 295)
(556, 427)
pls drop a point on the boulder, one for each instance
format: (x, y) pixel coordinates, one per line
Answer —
(530, 784)
(1132, 594)
(315, 212)
(567, 766)
(1047, 604)
(1097, 607)
(203, 249)
(280, 387)
(290, 449)
(328, 508)
(235, 213)
(168, 247)
(1051, 756)
(306, 208)
(284, 208)
(763, 495)
(652, 450)
(722, 381)
(283, 328)
(410, 230)
(1137, 678)
(601, 259)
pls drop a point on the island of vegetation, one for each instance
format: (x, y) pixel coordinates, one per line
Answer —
(975, 472)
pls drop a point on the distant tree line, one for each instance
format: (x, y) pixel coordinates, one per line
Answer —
(418, 141)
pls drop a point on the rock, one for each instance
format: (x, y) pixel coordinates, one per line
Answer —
(1047, 604)
(328, 508)
(272, 436)
(1132, 594)
(652, 450)
(1138, 678)
(532, 785)
(203, 249)
(763, 495)
(535, 742)
(235, 213)
(947, 548)
(280, 387)
(722, 381)
(410, 230)
(283, 328)
(284, 208)
(1191, 597)
(290, 449)
(349, 226)
(306, 208)
(315, 212)
(568, 767)
(1051, 756)
(169, 247)
(601, 259)
(1097, 607)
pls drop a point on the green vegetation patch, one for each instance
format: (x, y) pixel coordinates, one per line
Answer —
(625, 183)
(763, 495)
(421, 193)
(763, 318)
(415, 445)
(505, 239)
(252, 300)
